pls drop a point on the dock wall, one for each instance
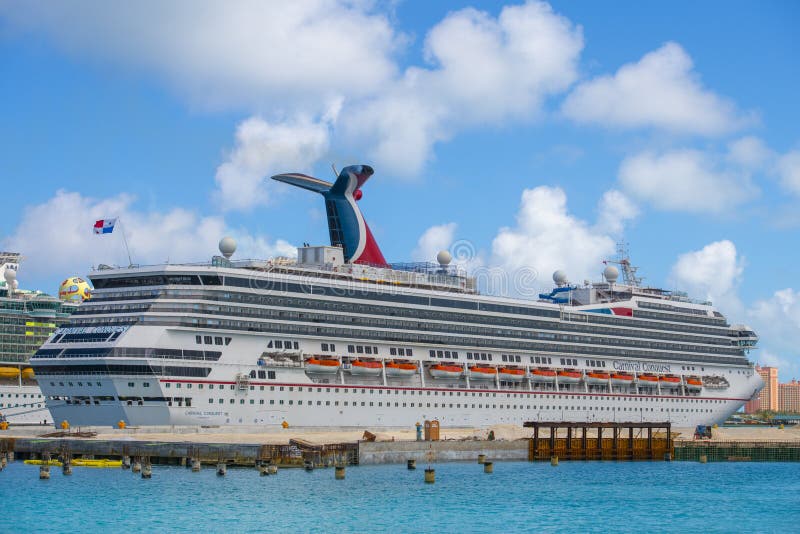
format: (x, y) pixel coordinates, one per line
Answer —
(396, 452)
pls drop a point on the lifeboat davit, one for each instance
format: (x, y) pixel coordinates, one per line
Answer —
(569, 377)
(649, 381)
(441, 370)
(368, 368)
(621, 379)
(482, 373)
(694, 383)
(316, 365)
(9, 372)
(511, 375)
(597, 378)
(543, 375)
(670, 381)
(400, 369)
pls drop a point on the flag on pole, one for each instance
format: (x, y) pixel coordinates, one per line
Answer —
(104, 226)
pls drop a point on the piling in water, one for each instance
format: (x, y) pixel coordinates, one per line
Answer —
(667, 456)
(554, 461)
(147, 470)
(272, 469)
(44, 472)
(430, 476)
(262, 470)
(136, 466)
(339, 475)
(412, 464)
(195, 465)
(481, 458)
(222, 468)
(126, 462)
(488, 467)
(66, 467)
(703, 459)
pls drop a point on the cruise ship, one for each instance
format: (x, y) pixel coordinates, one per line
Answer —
(338, 337)
(27, 318)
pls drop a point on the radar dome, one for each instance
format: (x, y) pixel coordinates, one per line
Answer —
(560, 277)
(74, 289)
(444, 257)
(227, 246)
(10, 276)
(611, 274)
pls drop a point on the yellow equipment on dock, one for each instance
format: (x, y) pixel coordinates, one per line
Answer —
(79, 462)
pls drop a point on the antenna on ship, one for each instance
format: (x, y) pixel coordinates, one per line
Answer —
(335, 172)
(628, 270)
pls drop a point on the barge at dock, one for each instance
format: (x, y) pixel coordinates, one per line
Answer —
(340, 337)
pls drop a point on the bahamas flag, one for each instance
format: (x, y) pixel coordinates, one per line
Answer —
(104, 226)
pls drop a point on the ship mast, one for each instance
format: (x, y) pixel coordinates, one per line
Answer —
(628, 270)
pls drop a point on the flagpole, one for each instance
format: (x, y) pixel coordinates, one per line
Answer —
(125, 240)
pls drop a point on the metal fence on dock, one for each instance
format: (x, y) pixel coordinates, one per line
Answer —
(739, 451)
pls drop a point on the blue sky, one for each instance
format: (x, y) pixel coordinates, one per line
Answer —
(540, 134)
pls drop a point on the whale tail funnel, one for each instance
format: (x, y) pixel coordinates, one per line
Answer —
(346, 224)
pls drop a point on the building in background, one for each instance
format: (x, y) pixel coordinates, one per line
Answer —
(789, 397)
(768, 397)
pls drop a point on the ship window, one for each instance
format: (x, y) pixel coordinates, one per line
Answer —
(409, 352)
(432, 353)
(130, 384)
(218, 340)
(368, 350)
(504, 358)
(198, 339)
(207, 340)
(351, 349)
(269, 345)
(278, 344)
(324, 347)
(261, 401)
(262, 374)
(439, 354)
(228, 340)
(271, 374)
(393, 351)
(296, 345)
(359, 349)
(333, 347)
(375, 350)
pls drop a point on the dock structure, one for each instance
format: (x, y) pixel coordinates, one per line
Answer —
(600, 441)
(295, 454)
(738, 451)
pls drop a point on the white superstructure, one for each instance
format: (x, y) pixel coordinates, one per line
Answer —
(329, 343)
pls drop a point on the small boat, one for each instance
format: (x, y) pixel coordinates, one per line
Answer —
(27, 373)
(441, 370)
(401, 369)
(694, 383)
(482, 373)
(9, 372)
(365, 368)
(670, 381)
(543, 375)
(621, 379)
(316, 365)
(567, 376)
(593, 377)
(648, 381)
(511, 375)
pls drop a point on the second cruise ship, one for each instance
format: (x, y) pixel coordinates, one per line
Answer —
(341, 338)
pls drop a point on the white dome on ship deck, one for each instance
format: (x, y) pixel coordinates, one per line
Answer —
(560, 277)
(10, 276)
(611, 274)
(227, 246)
(444, 257)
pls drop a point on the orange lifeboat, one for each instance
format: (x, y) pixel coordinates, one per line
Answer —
(621, 379)
(594, 377)
(648, 380)
(694, 383)
(441, 370)
(511, 375)
(482, 373)
(543, 375)
(401, 369)
(368, 368)
(670, 381)
(316, 365)
(569, 377)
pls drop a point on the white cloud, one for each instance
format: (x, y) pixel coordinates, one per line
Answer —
(750, 153)
(686, 180)
(263, 149)
(485, 71)
(714, 273)
(777, 322)
(661, 90)
(56, 236)
(615, 210)
(433, 240)
(547, 237)
(789, 171)
(254, 54)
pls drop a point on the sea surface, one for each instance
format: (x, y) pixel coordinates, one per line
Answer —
(517, 497)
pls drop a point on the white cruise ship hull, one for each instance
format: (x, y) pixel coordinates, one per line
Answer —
(24, 405)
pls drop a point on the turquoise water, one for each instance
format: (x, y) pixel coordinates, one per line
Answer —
(518, 496)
